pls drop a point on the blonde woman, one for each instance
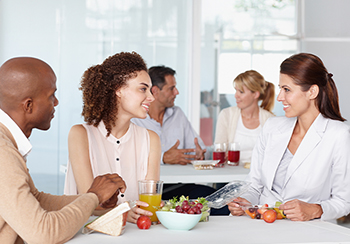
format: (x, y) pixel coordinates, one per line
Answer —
(243, 123)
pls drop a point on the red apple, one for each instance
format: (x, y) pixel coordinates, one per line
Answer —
(270, 216)
(144, 222)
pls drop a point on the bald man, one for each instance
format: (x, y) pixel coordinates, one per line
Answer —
(28, 101)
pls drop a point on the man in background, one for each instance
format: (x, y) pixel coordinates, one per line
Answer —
(180, 143)
(28, 101)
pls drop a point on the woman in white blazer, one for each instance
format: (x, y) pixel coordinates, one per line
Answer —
(243, 123)
(303, 159)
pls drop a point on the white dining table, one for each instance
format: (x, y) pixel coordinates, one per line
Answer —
(173, 174)
(228, 229)
(176, 173)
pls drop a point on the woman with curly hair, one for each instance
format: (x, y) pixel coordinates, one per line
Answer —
(113, 93)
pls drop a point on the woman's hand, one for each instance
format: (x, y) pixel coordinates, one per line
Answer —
(297, 210)
(136, 212)
(235, 207)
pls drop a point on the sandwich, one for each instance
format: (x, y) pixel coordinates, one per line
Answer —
(111, 223)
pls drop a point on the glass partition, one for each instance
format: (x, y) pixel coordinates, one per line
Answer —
(74, 35)
(237, 36)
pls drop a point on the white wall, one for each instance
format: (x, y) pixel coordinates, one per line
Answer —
(326, 33)
(74, 35)
(58, 32)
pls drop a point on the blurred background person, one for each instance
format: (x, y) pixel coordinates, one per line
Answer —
(243, 123)
(206, 108)
(180, 142)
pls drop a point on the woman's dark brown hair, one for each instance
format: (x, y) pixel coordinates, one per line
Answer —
(100, 83)
(307, 70)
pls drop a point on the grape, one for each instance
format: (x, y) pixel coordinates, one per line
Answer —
(186, 207)
(252, 210)
(190, 211)
(199, 205)
(179, 209)
(199, 211)
(195, 209)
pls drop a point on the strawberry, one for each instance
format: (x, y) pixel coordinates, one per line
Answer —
(263, 209)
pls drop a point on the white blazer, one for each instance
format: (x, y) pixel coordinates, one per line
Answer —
(318, 173)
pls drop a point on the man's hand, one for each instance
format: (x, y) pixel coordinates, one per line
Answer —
(107, 188)
(199, 151)
(297, 210)
(178, 156)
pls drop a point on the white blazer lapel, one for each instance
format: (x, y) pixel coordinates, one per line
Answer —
(307, 145)
(279, 143)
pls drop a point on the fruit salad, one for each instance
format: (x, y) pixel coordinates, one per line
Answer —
(187, 206)
(259, 212)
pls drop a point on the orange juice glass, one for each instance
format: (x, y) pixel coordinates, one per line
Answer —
(150, 191)
(152, 200)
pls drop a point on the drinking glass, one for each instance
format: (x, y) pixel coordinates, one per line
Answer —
(233, 154)
(150, 191)
(219, 153)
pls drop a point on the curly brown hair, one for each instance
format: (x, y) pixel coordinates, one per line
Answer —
(100, 83)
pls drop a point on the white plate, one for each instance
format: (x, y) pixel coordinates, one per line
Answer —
(204, 164)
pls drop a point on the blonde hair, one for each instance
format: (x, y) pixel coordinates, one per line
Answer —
(255, 82)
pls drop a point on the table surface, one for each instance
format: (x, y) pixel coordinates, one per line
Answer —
(173, 174)
(230, 229)
(188, 174)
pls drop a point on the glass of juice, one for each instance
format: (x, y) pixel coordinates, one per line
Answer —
(150, 191)
(233, 154)
(219, 153)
